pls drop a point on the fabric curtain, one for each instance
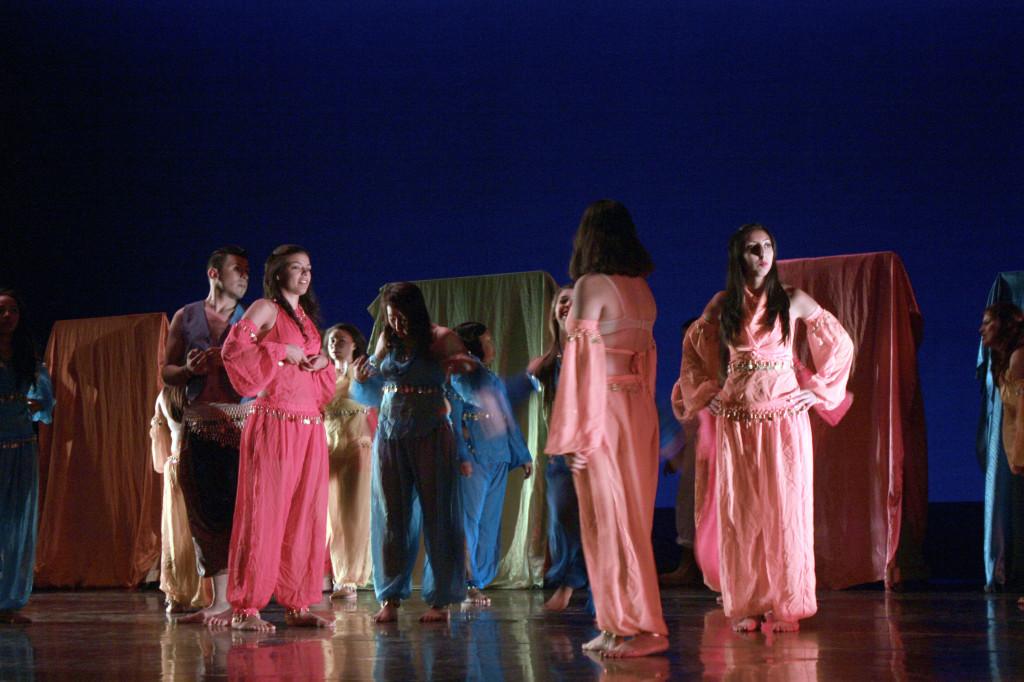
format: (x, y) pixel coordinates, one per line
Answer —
(514, 307)
(1004, 492)
(99, 521)
(870, 470)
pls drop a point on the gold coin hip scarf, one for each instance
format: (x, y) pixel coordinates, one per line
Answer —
(406, 389)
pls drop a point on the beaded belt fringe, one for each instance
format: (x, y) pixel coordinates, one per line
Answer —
(17, 443)
(745, 414)
(475, 416)
(759, 366)
(221, 425)
(627, 387)
(415, 390)
(347, 413)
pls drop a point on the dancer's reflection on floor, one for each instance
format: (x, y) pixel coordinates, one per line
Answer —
(729, 655)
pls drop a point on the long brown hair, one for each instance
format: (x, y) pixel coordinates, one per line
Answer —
(275, 265)
(1009, 338)
(24, 356)
(546, 372)
(777, 307)
(407, 298)
(606, 242)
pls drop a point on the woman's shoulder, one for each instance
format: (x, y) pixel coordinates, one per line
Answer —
(713, 310)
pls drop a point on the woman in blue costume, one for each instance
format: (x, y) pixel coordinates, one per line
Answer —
(568, 571)
(415, 466)
(26, 396)
(489, 444)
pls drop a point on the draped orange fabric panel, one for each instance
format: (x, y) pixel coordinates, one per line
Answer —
(871, 470)
(99, 504)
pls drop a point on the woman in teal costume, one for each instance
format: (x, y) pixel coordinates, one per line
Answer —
(489, 443)
(414, 482)
(26, 396)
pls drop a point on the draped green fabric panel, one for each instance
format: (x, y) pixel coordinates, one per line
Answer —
(514, 307)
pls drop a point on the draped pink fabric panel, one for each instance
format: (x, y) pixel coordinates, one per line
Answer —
(99, 519)
(870, 470)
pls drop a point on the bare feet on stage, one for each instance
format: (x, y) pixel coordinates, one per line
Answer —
(602, 642)
(643, 644)
(304, 618)
(435, 614)
(251, 623)
(476, 597)
(559, 600)
(13, 618)
(217, 614)
(214, 615)
(781, 625)
(344, 592)
(748, 624)
(388, 612)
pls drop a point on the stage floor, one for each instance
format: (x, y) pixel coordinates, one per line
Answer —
(859, 635)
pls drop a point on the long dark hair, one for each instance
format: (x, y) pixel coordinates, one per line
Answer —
(546, 372)
(470, 333)
(606, 242)
(777, 307)
(407, 298)
(358, 340)
(24, 357)
(1009, 338)
(272, 270)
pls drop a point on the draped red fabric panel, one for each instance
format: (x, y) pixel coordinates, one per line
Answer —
(871, 470)
(99, 504)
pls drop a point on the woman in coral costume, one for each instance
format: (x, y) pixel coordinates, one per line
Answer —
(764, 463)
(604, 415)
(277, 540)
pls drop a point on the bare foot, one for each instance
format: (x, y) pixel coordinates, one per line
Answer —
(203, 616)
(781, 625)
(644, 644)
(435, 614)
(251, 623)
(748, 624)
(344, 592)
(219, 620)
(475, 596)
(305, 618)
(388, 613)
(559, 600)
(602, 642)
(13, 618)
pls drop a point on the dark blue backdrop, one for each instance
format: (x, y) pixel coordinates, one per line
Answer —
(431, 139)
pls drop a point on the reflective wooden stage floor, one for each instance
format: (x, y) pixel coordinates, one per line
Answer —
(861, 635)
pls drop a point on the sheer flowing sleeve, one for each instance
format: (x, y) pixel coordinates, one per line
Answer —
(458, 406)
(519, 454)
(698, 374)
(251, 363)
(578, 414)
(832, 351)
(41, 391)
(159, 436)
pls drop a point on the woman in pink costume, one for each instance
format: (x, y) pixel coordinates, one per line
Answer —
(765, 470)
(604, 415)
(277, 541)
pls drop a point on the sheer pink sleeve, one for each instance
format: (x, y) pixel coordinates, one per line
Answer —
(250, 362)
(578, 415)
(698, 374)
(832, 352)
